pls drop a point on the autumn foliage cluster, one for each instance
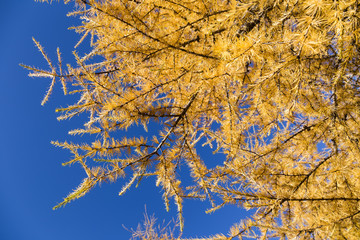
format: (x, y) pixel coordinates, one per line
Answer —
(272, 86)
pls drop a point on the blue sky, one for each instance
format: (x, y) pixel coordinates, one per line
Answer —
(32, 179)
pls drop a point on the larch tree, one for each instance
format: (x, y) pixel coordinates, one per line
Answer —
(272, 86)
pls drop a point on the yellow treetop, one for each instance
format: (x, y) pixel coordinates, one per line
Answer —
(271, 85)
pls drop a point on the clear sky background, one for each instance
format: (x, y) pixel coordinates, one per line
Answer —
(32, 179)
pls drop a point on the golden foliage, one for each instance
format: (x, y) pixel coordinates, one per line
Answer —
(272, 85)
